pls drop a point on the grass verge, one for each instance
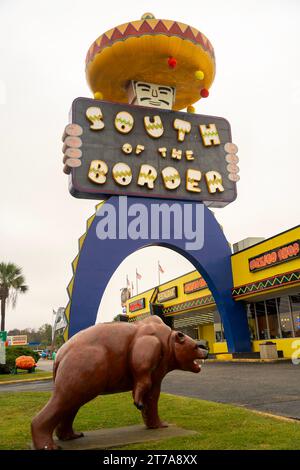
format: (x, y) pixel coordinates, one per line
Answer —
(219, 426)
(24, 376)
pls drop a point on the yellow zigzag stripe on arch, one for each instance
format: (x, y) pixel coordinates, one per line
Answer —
(81, 241)
(117, 174)
(124, 121)
(147, 176)
(210, 133)
(271, 282)
(172, 177)
(154, 126)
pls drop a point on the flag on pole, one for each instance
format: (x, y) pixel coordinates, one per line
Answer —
(127, 281)
(131, 287)
(160, 268)
(138, 276)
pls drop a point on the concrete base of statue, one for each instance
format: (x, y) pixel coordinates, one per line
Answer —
(117, 437)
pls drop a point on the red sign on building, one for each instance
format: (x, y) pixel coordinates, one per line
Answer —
(193, 286)
(137, 305)
(277, 256)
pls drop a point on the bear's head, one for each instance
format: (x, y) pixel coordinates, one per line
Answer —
(188, 352)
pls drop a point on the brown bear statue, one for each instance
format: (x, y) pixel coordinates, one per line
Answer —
(111, 358)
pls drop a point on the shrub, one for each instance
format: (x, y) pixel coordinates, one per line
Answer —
(25, 363)
(12, 352)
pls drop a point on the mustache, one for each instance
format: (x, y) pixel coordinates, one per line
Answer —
(150, 99)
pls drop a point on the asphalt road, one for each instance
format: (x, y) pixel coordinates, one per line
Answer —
(46, 365)
(272, 387)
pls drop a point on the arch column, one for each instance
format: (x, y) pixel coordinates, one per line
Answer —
(98, 259)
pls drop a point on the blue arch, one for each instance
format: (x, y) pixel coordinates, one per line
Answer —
(100, 258)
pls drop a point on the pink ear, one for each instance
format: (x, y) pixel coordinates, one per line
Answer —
(179, 337)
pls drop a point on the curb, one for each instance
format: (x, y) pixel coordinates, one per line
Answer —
(9, 382)
(271, 415)
(259, 361)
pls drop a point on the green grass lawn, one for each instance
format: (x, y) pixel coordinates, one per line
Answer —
(219, 426)
(24, 375)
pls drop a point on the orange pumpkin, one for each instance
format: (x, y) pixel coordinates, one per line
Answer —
(25, 362)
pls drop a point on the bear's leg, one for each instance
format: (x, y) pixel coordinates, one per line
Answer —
(150, 409)
(144, 359)
(44, 423)
(64, 430)
(140, 388)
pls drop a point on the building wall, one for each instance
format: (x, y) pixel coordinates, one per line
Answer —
(242, 276)
(147, 296)
(283, 344)
(200, 302)
(181, 296)
(207, 332)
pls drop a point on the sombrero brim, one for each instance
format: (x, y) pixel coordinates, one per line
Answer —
(140, 50)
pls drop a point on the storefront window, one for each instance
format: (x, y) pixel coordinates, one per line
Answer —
(273, 321)
(285, 318)
(190, 331)
(295, 307)
(218, 328)
(262, 322)
(252, 321)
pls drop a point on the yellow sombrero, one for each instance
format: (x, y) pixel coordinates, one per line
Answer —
(156, 51)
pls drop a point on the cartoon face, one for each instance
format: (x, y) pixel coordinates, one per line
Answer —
(151, 95)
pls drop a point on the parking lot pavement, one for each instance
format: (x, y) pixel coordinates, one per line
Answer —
(267, 387)
(45, 364)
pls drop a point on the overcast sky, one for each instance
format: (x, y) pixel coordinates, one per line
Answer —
(42, 61)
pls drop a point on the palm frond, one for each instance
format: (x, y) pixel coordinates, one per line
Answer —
(12, 280)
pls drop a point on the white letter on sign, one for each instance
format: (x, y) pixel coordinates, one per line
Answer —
(124, 122)
(171, 177)
(154, 126)
(183, 127)
(214, 181)
(148, 175)
(95, 116)
(209, 135)
(192, 180)
(97, 171)
(122, 174)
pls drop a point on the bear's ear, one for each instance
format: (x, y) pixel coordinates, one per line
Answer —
(179, 337)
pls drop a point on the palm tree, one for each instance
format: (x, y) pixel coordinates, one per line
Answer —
(12, 282)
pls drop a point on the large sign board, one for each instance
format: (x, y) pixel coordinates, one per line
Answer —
(3, 337)
(137, 151)
(60, 319)
(125, 295)
(17, 340)
(137, 305)
(167, 294)
(278, 255)
(195, 285)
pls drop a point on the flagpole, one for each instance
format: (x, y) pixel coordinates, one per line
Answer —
(136, 280)
(158, 273)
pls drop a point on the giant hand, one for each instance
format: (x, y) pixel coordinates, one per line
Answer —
(71, 148)
(232, 159)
